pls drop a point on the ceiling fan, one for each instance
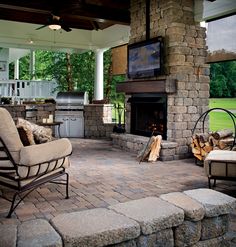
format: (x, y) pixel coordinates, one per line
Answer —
(55, 23)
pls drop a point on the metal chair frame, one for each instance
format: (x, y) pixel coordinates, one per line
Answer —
(37, 179)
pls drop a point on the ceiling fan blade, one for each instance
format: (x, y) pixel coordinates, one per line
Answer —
(41, 27)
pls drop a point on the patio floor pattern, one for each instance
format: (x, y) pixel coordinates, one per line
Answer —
(101, 175)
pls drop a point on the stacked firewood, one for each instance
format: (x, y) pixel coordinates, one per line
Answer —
(151, 150)
(203, 143)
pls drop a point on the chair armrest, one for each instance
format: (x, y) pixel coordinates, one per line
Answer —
(41, 153)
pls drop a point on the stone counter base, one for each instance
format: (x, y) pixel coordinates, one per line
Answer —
(43, 111)
(134, 143)
(98, 121)
(194, 218)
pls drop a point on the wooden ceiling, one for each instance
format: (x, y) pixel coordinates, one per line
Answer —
(78, 14)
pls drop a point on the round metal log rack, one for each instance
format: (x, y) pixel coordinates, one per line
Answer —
(203, 118)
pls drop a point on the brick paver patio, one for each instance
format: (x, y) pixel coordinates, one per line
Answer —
(101, 175)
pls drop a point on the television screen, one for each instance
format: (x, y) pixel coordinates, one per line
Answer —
(144, 58)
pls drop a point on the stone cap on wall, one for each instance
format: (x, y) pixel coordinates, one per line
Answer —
(165, 218)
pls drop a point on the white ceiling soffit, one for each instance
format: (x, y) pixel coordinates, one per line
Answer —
(206, 10)
(24, 36)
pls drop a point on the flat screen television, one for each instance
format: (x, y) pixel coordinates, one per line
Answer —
(145, 58)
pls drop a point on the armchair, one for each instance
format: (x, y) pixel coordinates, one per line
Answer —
(23, 169)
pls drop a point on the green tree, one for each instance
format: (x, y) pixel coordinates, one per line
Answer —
(24, 63)
(73, 68)
(223, 79)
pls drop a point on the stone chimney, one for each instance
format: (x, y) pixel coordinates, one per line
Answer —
(185, 61)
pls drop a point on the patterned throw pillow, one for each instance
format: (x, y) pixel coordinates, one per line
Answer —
(40, 133)
(26, 136)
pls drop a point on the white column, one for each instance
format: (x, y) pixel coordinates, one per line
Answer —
(98, 86)
(32, 64)
(16, 69)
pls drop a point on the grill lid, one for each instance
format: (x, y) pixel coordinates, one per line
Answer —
(72, 98)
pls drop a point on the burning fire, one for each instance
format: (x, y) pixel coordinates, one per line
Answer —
(156, 127)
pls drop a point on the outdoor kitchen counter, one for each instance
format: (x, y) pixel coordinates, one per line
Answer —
(42, 110)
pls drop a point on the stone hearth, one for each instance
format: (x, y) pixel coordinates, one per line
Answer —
(135, 143)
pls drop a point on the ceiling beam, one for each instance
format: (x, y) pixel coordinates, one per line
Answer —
(23, 9)
(78, 10)
(42, 19)
(102, 14)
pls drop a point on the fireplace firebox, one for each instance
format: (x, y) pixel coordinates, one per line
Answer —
(148, 112)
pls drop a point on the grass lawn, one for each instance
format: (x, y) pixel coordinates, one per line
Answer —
(229, 104)
(221, 120)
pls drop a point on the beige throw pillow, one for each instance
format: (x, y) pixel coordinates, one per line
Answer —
(40, 133)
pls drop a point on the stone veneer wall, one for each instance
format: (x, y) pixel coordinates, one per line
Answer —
(185, 55)
(98, 120)
(43, 111)
(194, 218)
(15, 110)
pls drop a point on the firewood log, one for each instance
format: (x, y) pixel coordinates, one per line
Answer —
(195, 141)
(227, 148)
(207, 144)
(143, 154)
(213, 142)
(203, 137)
(208, 149)
(201, 144)
(222, 134)
(192, 145)
(196, 151)
(203, 153)
(155, 149)
(198, 156)
(227, 142)
(210, 140)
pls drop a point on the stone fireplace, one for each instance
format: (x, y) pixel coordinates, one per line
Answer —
(185, 81)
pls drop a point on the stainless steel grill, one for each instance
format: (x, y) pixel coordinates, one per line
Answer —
(70, 111)
(71, 100)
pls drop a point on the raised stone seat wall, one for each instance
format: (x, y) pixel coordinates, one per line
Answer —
(134, 143)
(194, 218)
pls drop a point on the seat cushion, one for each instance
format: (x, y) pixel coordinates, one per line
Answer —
(43, 153)
(219, 159)
(222, 155)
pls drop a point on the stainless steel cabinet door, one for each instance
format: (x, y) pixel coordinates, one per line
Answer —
(65, 127)
(76, 127)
